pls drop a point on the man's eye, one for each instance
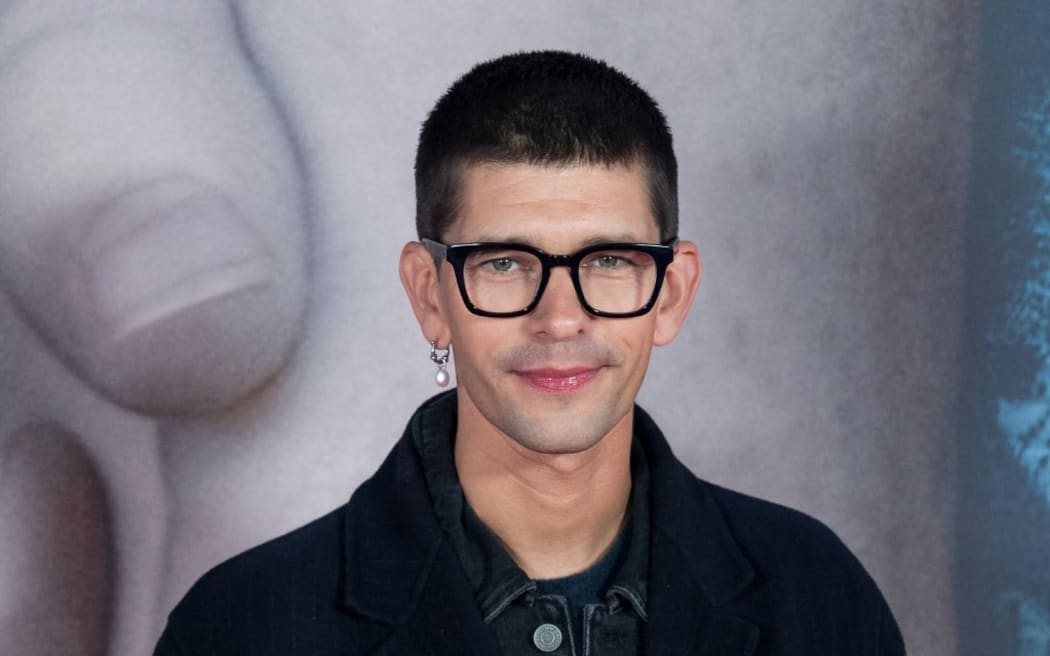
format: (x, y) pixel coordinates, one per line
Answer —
(503, 264)
(498, 262)
(610, 261)
(499, 265)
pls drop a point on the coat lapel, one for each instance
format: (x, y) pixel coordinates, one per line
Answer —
(446, 620)
(403, 583)
(682, 618)
(696, 566)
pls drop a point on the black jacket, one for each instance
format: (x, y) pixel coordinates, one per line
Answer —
(729, 574)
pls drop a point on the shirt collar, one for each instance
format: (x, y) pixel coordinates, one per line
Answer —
(495, 577)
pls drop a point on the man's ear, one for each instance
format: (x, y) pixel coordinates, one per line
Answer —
(420, 279)
(679, 289)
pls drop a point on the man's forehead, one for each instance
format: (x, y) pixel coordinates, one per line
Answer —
(533, 203)
(525, 176)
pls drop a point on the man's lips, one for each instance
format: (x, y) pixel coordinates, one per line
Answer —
(559, 380)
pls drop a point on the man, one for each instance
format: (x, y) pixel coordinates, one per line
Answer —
(535, 509)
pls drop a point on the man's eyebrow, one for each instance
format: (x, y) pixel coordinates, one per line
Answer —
(618, 238)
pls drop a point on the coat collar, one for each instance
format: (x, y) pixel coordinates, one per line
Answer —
(696, 566)
(391, 535)
(399, 565)
(718, 566)
(401, 575)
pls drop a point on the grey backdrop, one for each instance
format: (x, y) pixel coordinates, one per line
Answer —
(823, 152)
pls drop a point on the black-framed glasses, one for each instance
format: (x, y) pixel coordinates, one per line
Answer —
(507, 280)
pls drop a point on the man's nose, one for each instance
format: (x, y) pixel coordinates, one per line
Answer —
(559, 314)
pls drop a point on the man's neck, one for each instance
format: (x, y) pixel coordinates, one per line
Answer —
(556, 514)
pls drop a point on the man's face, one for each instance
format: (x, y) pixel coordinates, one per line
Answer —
(558, 379)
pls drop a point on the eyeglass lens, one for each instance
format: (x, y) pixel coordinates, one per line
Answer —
(503, 279)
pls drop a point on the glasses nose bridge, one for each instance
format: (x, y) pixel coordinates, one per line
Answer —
(568, 261)
(550, 262)
(560, 261)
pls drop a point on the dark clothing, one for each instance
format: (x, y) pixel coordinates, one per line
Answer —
(598, 611)
(589, 610)
(728, 574)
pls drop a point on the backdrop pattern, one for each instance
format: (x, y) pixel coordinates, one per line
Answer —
(203, 341)
(1004, 571)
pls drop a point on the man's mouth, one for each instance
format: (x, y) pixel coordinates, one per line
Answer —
(558, 380)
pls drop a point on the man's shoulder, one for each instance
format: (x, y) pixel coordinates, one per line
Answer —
(295, 576)
(320, 585)
(309, 550)
(756, 520)
(769, 534)
(801, 569)
(777, 537)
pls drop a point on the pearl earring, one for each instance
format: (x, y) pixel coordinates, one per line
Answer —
(441, 376)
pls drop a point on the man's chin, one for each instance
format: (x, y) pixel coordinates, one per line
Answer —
(550, 423)
(559, 433)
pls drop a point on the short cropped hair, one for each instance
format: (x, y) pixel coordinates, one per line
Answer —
(546, 108)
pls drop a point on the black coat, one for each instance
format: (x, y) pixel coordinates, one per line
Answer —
(729, 574)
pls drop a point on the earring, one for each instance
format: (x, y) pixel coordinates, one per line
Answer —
(441, 376)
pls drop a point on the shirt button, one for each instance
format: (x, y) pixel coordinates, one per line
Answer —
(547, 637)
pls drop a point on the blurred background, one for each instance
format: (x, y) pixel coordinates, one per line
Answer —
(204, 342)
